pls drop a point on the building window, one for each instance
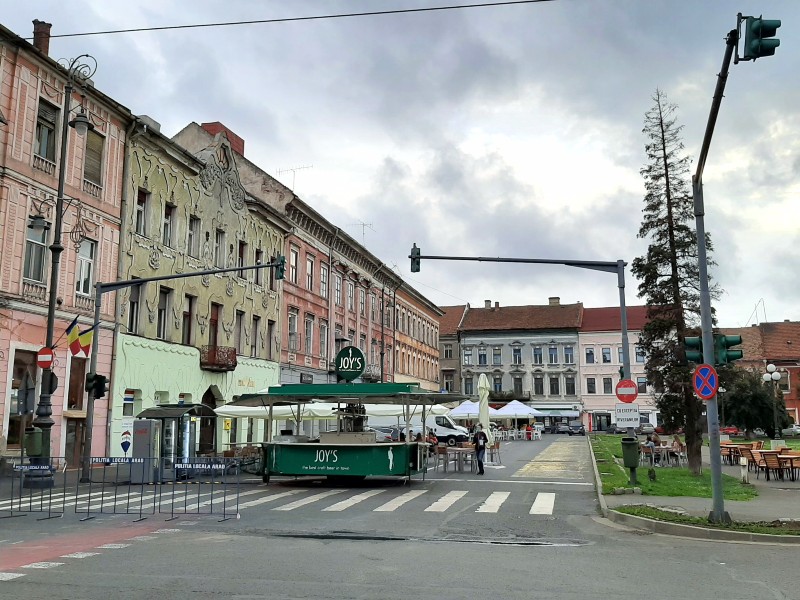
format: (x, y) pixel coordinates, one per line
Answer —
(497, 357)
(448, 382)
(516, 356)
(323, 281)
(133, 309)
(323, 339)
(93, 161)
(497, 383)
(292, 329)
(258, 274)
(293, 258)
(569, 385)
(641, 385)
(518, 386)
(607, 385)
(241, 259)
(552, 355)
(163, 313)
(448, 350)
(351, 292)
(337, 290)
(213, 324)
(362, 343)
(45, 145)
(591, 385)
(142, 198)
(620, 357)
(482, 356)
(309, 272)
(309, 333)
(270, 339)
(189, 303)
(554, 386)
(467, 356)
(569, 355)
(255, 333)
(219, 249)
(590, 356)
(641, 355)
(468, 386)
(238, 332)
(84, 275)
(374, 308)
(606, 356)
(272, 280)
(537, 355)
(538, 385)
(193, 237)
(35, 253)
(362, 302)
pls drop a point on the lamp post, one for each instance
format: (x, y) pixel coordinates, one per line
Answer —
(720, 392)
(772, 375)
(77, 71)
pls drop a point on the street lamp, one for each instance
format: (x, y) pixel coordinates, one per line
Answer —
(78, 70)
(720, 392)
(773, 376)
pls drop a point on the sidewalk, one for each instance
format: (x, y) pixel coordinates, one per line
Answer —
(776, 499)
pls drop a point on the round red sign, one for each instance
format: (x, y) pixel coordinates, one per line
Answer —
(626, 390)
(44, 358)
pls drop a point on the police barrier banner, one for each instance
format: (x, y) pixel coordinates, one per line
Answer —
(35, 485)
(201, 486)
(119, 486)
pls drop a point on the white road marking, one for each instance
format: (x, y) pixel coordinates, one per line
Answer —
(393, 505)
(493, 503)
(340, 506)
(308, 500)
(446, 501)
(143, 538)
(114, 546)
(79, 555)
(543, 505)
(268, 499)
(10, 576)
(166, 531)
(42, 565)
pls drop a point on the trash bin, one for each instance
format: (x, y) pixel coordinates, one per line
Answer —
(33, 441)
(630, 452)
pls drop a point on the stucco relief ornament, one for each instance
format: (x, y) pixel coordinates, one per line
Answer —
(229, 287)
(201, 321)
(205, 280)
(264, 301)
(155, 259)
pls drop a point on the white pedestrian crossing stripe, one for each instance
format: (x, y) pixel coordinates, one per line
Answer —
(493, 503)
(393, 505)
(543, 504)
(446, 501)
(340, 506)
(309, 500)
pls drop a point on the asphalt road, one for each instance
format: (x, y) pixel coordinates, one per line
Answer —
(529, 528)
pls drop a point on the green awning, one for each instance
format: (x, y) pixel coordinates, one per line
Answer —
(373, 393)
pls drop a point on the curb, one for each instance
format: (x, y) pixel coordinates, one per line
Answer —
(598, 483)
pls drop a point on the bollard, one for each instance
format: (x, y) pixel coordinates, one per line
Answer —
(743, 467)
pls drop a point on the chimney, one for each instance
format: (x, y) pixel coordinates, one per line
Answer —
(237, 143)
(487, 304)
(554, 301)
(496, 305)
(41, 36)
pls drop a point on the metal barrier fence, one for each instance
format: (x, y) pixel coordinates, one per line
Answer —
(37, 485)
(130, 486)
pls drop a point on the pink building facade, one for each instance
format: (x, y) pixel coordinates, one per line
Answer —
(32, 89)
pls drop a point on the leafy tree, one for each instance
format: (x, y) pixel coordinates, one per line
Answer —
(750, 403)
(668, 274)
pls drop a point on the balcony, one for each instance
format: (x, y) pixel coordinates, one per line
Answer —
(92, 188)
(217, 358)
(34, 291)
(42, 164)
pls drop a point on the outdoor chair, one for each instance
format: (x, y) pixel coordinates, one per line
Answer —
(442, 457)
(761, 465)
(494, 453)
(773, 463)
(647, 456)
(752, 463)
(727, 454)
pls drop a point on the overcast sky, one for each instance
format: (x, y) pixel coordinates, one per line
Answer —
(509, 131)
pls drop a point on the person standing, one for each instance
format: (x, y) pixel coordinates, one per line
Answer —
(480, 441)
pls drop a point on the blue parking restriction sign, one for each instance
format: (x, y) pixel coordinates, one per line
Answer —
(705, 381)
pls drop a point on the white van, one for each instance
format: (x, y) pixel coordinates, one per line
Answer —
(443, 426)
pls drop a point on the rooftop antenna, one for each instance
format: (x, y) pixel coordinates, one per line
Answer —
(294, 171)
(364, 227)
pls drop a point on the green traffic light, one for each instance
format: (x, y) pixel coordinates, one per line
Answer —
(280, 268)
(415, 252)
(759, 37)
(722, 354)
(694, 352)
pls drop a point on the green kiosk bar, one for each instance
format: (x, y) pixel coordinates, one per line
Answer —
(349, 451)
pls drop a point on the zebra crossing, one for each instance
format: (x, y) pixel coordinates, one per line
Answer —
(327, 501)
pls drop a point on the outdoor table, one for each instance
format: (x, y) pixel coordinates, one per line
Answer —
(459, 454)
(793, 460)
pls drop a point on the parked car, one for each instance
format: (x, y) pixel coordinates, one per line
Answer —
(620, 429)
(576, 428)
(646, 429)
(758, 432)
(729, 430)
(791, 431)
(563, 428)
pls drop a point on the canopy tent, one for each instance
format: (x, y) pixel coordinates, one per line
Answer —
(517, 410)
(319, 411)
(470, 410)
(550, 412)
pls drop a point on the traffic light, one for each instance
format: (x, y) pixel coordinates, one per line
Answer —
(759, 37)
(415, 259)
(722, 355)
(90, 378)
(100, 386)
(280, 268)
(694, 349)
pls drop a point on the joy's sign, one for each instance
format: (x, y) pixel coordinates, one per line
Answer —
(350, 363)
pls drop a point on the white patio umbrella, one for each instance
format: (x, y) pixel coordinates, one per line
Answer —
(483, 405)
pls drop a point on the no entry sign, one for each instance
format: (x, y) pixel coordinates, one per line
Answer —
(705, 381)
(627, 391)
(44, 358)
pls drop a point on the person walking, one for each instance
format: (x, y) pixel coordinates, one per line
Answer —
(480, 441)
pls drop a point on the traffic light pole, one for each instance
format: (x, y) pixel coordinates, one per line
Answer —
(102, 288)
(718, 514)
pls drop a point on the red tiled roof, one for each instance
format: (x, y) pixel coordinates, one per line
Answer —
(751, 347)
(781, 341)
(608, 318)
(448, 322)
(563, 316)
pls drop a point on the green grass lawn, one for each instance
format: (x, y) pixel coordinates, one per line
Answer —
(670, 481)
(787, 528)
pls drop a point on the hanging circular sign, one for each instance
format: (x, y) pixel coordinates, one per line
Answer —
(350, 363)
